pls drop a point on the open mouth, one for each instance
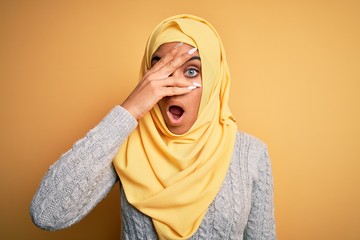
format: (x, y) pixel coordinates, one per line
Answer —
(176, 112)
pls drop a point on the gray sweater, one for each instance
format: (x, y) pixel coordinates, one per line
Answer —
(82, 177)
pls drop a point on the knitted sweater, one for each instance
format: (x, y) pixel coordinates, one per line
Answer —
(83, 176)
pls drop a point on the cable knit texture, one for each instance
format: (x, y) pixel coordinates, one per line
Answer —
(83, 176)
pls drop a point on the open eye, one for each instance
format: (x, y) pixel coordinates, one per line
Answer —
(191, 72)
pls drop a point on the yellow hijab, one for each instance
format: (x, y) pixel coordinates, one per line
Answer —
(174, 178)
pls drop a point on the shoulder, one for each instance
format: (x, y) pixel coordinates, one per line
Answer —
(249, 144)
(252, 151)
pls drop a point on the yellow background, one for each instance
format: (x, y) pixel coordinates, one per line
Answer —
(295, 84)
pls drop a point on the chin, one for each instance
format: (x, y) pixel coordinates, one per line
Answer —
(178, 130)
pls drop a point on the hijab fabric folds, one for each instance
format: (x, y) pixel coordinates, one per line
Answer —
(174, 178)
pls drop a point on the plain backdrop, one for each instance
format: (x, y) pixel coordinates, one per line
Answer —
(295, 69)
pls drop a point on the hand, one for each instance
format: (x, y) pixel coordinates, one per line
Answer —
(158, 83)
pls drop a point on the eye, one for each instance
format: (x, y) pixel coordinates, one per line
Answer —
(191, 72)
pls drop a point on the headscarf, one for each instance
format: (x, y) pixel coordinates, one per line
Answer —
(174, 178)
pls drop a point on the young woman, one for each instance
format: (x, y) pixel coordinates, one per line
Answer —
(185, 171)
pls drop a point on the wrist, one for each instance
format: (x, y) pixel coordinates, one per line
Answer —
(131, 110)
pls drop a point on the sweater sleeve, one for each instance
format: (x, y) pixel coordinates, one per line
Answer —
(82, 176)
(261, 222)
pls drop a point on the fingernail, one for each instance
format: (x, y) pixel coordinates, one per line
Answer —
(196, 84)
(191, 51)
(191, 87)
(179, 44)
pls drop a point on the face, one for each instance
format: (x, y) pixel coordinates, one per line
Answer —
(180, 112)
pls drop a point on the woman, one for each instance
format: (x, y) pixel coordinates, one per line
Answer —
(185, 170)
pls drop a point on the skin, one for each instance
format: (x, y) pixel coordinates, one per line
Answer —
(166, 84)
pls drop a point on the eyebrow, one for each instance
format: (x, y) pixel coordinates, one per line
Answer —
(194, 58)
(157, 58)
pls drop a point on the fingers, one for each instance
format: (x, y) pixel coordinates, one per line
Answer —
(167, 57)
(173, 86)
(176, 62)
(174, 90)
(173, 82)
(148, 93)
(169, 63)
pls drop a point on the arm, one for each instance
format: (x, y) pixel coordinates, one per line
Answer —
(83, 176)
(261, 222)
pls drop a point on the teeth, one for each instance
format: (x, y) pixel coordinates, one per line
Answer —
(191, 87)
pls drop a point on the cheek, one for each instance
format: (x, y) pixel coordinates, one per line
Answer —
(198, 95)
(161, 104)
(195, 99)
